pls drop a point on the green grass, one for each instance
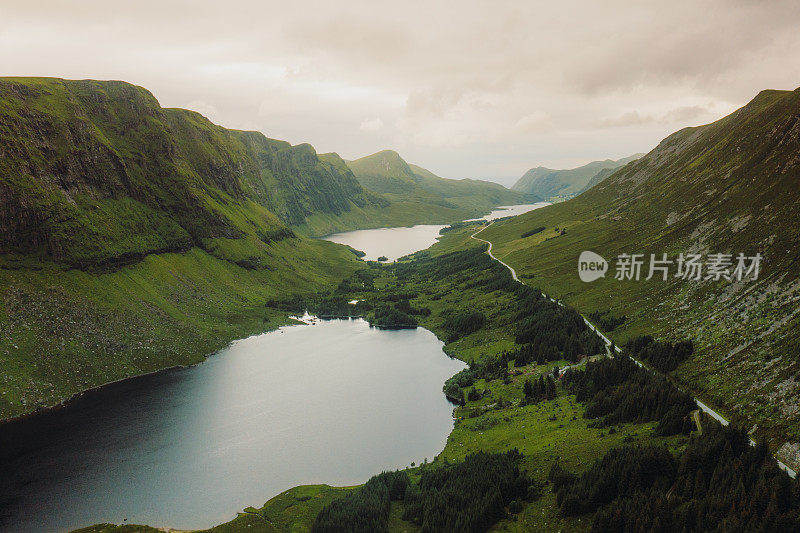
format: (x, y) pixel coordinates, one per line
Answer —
(69, 330)
(291, 511)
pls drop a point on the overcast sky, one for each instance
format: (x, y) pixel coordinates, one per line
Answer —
(466, 89)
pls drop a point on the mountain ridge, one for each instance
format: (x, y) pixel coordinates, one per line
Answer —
(552, 183)
(135, 238)
(87, 161)
(387, 173)
(727, 187)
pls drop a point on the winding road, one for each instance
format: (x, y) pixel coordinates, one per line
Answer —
(703, 407)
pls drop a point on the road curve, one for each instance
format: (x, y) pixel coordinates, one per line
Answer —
(703, 407)
(489, 251)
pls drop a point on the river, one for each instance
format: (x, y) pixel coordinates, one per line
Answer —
(334, 402)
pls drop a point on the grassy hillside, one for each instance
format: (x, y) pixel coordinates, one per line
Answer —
(559, 184)
(97, 172)
(388, 174)
(134, 237)
(597, 178)
(728, 187)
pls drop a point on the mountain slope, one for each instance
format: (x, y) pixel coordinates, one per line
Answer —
(732, 186)
(133, 237)
(388, 174)
(597, 178)
(95, 172)
(548, 183)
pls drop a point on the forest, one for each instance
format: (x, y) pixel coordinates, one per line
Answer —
(468, 496)
(366, 509)
(548, 331)
(664, 356)
(719, 483)
(606, 320)
(617, 390)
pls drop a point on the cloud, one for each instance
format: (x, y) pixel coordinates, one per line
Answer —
(204, 108)
(682, 115)
(687, 113)
(371, 125)
(484, 90)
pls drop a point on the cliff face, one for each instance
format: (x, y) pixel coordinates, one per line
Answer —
(94, 172)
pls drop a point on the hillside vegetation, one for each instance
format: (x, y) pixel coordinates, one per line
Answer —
(134, 237)
(561, 184)
(388, 174)
(729, 187)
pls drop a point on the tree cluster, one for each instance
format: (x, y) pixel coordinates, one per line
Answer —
(552, 331)
(719, 483)
(469, 496)
(620, 473)
(663, 356)
(387, 315)
(366, 509)
(533, 231)
(462, 323)
(607, 321)
(488, 368)
(536, 390)
(617, 390)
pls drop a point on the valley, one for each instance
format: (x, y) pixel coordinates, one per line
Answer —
(135, 237)
(138, 238)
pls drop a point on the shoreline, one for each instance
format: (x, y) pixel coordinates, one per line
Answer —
(67, 402)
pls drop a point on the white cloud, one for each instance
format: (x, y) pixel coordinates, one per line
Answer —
(204, 108)
(371, 125)
(478, 90)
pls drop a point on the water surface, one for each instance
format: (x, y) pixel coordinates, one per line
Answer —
(512, 210)
(335, 402)
(394, 243)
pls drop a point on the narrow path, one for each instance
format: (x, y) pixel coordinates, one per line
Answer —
(696, 418)
(703, 407)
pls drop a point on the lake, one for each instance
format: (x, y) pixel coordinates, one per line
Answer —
(394, 243)
(512, 210)
(335, 402)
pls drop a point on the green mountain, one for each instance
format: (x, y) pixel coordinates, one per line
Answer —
(597, 178)
(729, 187)
(134, 237)
(552, 184)
(97, 172)
(388, 174)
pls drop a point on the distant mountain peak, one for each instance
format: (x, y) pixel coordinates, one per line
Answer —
(386, 172)
(549, 183)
